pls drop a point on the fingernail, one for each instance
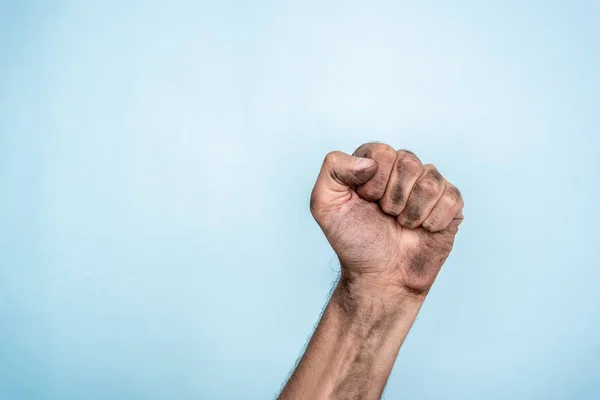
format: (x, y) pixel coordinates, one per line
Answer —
(363, 163)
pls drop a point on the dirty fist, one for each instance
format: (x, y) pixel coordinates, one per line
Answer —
(390, 219)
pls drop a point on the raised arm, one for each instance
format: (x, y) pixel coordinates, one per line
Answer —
(392, 221)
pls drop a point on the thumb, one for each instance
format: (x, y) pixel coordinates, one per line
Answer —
(341, 171)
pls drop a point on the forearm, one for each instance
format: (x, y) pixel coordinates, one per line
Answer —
(353, 349)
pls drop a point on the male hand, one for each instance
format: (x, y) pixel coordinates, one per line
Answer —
(390, 219)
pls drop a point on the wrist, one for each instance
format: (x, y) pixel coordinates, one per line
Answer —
(361, 287)
(368, 302)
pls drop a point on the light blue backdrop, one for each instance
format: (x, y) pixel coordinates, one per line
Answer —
(156, 160)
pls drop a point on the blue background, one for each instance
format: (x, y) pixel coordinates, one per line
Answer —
(156, 161)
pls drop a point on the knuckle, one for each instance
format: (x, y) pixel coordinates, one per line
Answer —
(382, 150)
(427, 187)
(362, 150)
(453, 194)
(433, 172)
(375, 150)
(403, 153)
(458, 193)
(409, 166)
(332, 157)
(451, 200)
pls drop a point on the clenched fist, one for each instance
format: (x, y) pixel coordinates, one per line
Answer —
(390, 219)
